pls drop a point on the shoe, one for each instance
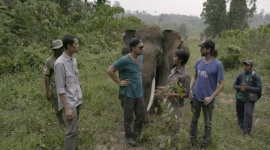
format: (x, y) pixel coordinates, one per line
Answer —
(132, 142)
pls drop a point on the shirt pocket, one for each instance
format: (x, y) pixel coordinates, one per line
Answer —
(69, 79)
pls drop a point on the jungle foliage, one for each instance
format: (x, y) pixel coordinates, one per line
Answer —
(236, 46)
(35, 23)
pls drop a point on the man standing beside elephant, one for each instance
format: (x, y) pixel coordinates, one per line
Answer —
(130, 68)
(203, 90)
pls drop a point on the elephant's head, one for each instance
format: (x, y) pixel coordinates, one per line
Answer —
(158, 55)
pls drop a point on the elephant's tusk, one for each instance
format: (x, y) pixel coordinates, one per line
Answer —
(151, 101)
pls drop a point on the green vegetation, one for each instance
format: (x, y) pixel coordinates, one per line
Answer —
(27, 120)
(236, 46)
(218, 19)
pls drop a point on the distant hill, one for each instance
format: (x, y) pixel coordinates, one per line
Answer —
(194, 24)
(259, 19)
(171, 21)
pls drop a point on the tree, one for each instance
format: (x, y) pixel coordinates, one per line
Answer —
(116, 4)
(214, 13)
(239, 13)
(98, 3)
(183, 29)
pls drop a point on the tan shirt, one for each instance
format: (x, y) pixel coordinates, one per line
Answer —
(180, 76)
(67, 80)
(49, 70)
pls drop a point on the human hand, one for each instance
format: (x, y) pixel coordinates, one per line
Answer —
(171, 95)
(68, 113)
(207, 100)
(125, 82)
(243, 87)
(190, 95)
(159, 90)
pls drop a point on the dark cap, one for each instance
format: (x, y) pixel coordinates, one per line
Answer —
(208, 44)
(134, 42)
(248, 62)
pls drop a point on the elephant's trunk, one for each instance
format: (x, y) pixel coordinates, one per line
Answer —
(151, 101)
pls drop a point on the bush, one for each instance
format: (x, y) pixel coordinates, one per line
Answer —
(232, 58)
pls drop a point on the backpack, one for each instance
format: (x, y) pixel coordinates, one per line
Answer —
(253, 77)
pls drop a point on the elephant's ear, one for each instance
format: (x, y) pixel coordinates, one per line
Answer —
(127, 36)
(171, 40)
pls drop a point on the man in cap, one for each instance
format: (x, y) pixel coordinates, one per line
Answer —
(206, 84)
(57, 48)
(125, 51)
(130, 68)
(247, 83)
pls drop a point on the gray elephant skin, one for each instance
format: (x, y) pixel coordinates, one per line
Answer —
(159, 47)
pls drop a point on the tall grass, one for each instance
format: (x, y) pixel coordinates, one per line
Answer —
(27, 120)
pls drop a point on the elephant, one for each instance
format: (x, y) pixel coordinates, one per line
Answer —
(158, 55)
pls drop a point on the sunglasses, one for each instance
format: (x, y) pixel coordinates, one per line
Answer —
(141, 47)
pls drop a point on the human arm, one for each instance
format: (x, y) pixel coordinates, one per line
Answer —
(192, 83)
(236, 84)
(159, 90)
(111, 71)
(257, 85)
(220, 87)
(60, 81)
(47, 86)
(68, 111)
(186, 84)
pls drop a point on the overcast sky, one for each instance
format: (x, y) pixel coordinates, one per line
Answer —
(182, 7)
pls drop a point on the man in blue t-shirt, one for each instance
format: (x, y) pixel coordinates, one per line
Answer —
(206, 84)
(130, 68)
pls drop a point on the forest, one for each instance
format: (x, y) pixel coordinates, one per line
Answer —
(27, 28)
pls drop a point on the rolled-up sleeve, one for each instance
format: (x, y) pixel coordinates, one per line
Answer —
(59, 73)
(186, 83)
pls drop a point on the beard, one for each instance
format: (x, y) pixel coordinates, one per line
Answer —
(203, 54)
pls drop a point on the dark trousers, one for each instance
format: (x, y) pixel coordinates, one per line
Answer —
(244, 112)
(137, 106)
(207, 114)
(71, 141)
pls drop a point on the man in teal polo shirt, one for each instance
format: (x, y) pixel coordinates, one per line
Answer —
(130, 68)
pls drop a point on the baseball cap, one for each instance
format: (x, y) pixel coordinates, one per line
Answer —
(208, 44)
(134, 42)
(248, 62)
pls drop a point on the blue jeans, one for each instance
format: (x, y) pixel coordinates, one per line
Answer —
(207, 113)
(244, 112)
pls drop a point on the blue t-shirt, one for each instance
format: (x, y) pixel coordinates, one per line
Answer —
(208, 76)
(132, 71)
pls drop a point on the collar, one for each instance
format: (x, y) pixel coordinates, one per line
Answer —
(247, 72)
(67, 57)
(175, 69)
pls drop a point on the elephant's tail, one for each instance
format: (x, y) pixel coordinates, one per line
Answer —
(151, 101)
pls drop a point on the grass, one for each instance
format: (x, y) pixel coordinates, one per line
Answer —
(28, 122)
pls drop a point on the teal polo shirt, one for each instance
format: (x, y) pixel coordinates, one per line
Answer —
(132, 71)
